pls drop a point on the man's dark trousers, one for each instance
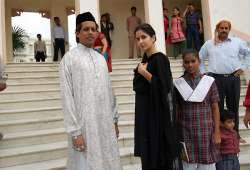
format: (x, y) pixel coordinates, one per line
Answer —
(59, 44)
(40, 56)
(229, 89)
(193, 33)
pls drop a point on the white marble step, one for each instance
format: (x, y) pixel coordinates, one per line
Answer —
(9, 70)
(32, 73)
(41, 123)
(51, 151)
(45, 136)
(125, 80)
(61, 164)
(30, 79)
(129, 161)
(116, 68)
(124, 100)
(27, 113)
(30, 103)
(22, 97)
(20, 125)
(45, 67)
(122, 93)
(39, 112)
(125, 59)
(23, 94)
(128, 152)
(54, 164)
(34, 137)
(30, 154)
(132, 167)
(245, 148)
(28, 64)
(26, 88)
(126, 126)
(31, 86)
(244, 161)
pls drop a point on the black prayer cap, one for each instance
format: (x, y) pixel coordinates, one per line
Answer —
(87, 16)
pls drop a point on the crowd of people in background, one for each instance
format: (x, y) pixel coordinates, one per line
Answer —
(183, 30)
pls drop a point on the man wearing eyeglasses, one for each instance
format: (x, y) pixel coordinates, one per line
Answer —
(225, 64)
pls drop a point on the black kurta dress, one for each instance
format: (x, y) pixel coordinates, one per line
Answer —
(155, 132)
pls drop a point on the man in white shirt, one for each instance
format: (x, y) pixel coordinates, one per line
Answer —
(225, 55)
(59, 38)
(40, 49)
(88, 102)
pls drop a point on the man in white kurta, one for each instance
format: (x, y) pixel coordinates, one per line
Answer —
(89, 106)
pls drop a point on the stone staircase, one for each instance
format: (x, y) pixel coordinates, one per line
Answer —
(32, 122)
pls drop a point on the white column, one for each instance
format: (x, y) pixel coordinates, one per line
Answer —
(154, 16)
(208, 32)
(92, 6)
(3, 55)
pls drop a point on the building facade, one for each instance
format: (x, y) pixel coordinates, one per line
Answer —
(148, 10)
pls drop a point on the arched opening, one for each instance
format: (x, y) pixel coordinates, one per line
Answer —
(27, 26)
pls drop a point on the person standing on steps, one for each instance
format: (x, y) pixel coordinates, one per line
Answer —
(224, 56)
(40, 49)
(88, 103)
(194, 26)
(177, 36)
(155, 131)
(132, 22)
(198, 115)
(59, 37)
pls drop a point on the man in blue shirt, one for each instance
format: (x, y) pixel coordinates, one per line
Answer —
(225, 64)
(194, 26)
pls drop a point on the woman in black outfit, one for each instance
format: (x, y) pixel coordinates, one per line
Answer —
(155, 133)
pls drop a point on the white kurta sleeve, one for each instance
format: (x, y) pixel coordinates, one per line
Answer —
(72, 124)
(114, 105)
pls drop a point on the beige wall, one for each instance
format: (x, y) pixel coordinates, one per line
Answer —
(235, 11)
(2, 32)
(120, 10)
(9, 51)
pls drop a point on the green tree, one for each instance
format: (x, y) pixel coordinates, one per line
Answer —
(18, 35)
